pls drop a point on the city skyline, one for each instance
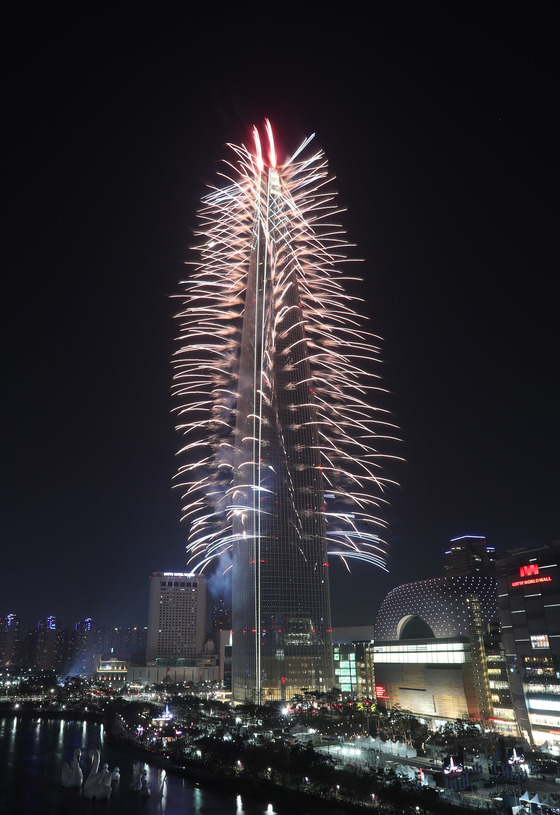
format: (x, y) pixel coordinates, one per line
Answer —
(439, 127)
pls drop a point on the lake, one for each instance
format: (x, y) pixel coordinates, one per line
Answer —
(32, 752)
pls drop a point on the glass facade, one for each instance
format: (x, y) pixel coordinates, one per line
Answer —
(450, 653)
(281, 606)
(351, 672)
(283, 444)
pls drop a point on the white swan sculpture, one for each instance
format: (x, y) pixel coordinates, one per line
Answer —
(116, 775)
(98, 784)
(72, 775)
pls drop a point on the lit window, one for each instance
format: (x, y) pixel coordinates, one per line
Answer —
(539, 641)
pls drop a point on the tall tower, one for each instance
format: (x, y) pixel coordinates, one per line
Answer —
(281, 605)
(281, 467)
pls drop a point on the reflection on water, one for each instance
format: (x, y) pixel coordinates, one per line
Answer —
(33, 751)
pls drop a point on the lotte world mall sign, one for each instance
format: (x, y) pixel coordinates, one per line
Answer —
(530, 575)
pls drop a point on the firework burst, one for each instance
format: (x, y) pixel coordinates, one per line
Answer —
(307, 400)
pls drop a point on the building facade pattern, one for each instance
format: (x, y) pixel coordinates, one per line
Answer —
(441, 602)
(429, 650)
(176, 616)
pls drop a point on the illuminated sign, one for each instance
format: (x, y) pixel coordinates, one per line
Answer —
(529, 572)
(380, 692)
(531, 580)
(179, 574)
(525, 571)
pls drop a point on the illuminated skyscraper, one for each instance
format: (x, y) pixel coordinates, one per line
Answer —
(278, 409)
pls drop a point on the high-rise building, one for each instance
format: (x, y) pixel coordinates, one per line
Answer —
(504, 718)
(221, 614)
(469, 555)
(277, 406)
(176, 616)
(135, 639)
(83, 641)
(529, 599)
(47, 650)
(9, 640)
(123, 643)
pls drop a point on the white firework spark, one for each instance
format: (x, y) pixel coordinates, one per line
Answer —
(306, 249)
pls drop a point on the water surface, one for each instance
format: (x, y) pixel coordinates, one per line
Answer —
(32, 752)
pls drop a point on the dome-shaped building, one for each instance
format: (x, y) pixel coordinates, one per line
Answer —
(429, 651)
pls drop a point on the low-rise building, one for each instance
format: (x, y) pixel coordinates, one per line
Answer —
(429, 650)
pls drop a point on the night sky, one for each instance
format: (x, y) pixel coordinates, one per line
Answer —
(440, 122)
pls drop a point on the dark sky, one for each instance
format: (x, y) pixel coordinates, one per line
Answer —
(440, 122)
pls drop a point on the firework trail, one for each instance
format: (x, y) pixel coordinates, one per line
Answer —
(293, 389)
